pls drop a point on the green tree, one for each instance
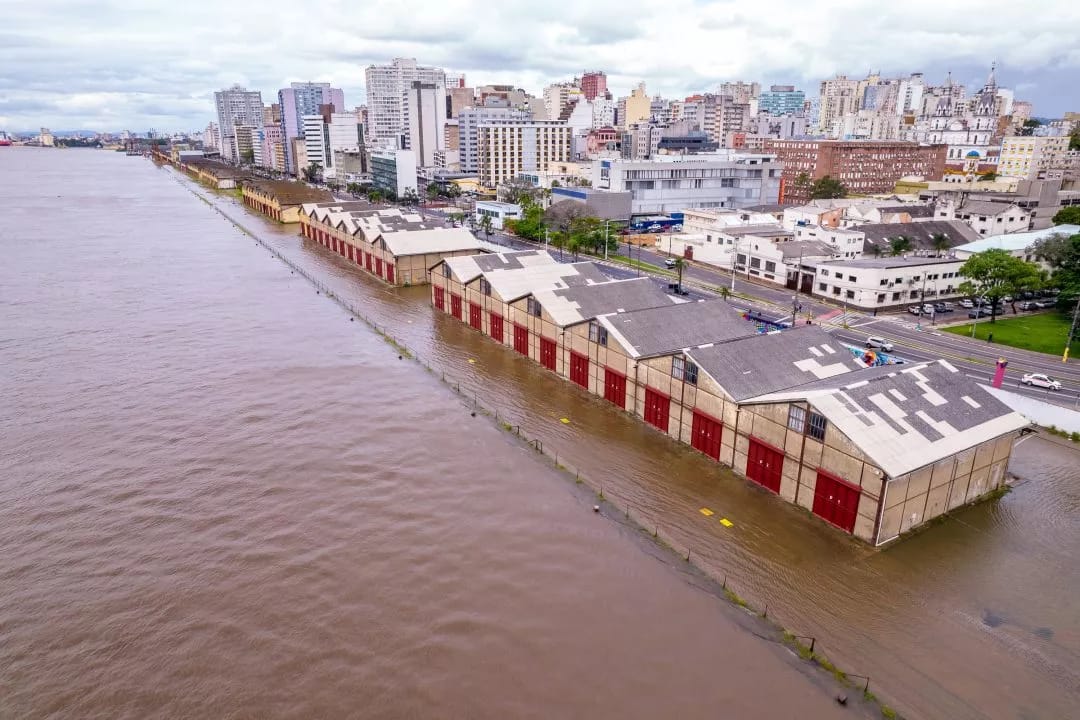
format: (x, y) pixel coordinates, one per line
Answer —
(826, 188)
(352, 188)
(990, 176)
(409, 197)
(899, 245)
(517, 191)
(940, 242)
(247, 157)
(1074, 139)
(680, 265)
(876, 250)
(1063, 255)
(375, 195)
(1067, 216)
(993, 274)
(485, 225)
(1028, 128)
(531, 223)
(453, 191)
(433, 191)
(311, 172)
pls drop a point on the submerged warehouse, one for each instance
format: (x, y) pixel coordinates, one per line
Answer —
(873, 451)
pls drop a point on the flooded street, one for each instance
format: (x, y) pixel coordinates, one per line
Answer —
(221, 498)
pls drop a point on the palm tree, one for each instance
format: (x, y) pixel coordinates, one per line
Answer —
(680, 264)
(485, 225)
(875, 250)
(432, 191)
(311, 172)
(940, 241)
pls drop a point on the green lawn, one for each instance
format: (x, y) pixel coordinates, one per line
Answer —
(635, 263)
(1043, 332)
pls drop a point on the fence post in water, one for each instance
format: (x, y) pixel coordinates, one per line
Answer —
(812, 642)
(766, 613)
(687, 554)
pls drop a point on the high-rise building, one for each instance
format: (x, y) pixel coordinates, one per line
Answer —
(316, 139)
(459, 98)
(559, 96)
(272, 141)
(839, 96)
(469, 121)
(1031, 157)
(425, 115)
(508, 147)
(635, 108)
(593, 85)
(211, 137)
(299, 100)
(781, 100)
(387, 94)
(248, 142)
(236, 106)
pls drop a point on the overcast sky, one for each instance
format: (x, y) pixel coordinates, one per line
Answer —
(112, 65)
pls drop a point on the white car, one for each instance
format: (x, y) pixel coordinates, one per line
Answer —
(879, 342)
(669, 262)
(1040, 380)
(967, 304)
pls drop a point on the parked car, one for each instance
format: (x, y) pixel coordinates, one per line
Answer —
(979, 313)
(928, 309)
(915, 310)
(1026, 295)
(655, 228)
(1007, 299)
(1028, 305)
(875, 341)
(669, 262)
(943, 307)
(967, 304)
(1040, 380)
(1048, 303)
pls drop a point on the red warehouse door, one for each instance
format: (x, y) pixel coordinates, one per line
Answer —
(367, 261)
(390, 273)
(496, 326)
(378, 266)
(615, 387)
(521, 339)
(440, 298)
(455, 305)
(657, 409)
(475, 316)
(579, 369)
(764, 465)
(705, 435)
(836, 501)
(547, 353)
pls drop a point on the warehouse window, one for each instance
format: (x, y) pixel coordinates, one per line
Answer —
(446, 270)
(681, 369)
(597, 333)
(534, 307)
(815, 426)
(485, 286)
(796, 419)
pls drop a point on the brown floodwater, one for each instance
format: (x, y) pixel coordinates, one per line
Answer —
(221, 498)
(974, 618)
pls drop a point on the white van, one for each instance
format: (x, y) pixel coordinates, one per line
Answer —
(879, 342)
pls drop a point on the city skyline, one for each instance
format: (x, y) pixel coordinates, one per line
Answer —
(138, 72)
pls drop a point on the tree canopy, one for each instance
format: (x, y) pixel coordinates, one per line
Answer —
(899, 245)
(311, 172)
(993, 274)
(826, 188)
(1067, 216)
(1063, 255)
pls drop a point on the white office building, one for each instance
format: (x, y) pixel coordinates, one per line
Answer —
(469, 121)
(875, 283)
(509, 147)
(673, 183)
(394, 171)
(316, 142)
(425, 118)
(236, 106)
(387, 95)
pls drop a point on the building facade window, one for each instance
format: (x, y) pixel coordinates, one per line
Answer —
(534, 308)
(485, 286)
(682, 369)
(815, 426)
(446, 270)
(796, 419)
(597, 333)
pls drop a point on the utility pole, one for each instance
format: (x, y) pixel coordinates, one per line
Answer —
(1072, 330)
(734, 248)
(795, 297)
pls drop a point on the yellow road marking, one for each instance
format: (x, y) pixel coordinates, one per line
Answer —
(706, 512)
(565, 421)
(725, 522)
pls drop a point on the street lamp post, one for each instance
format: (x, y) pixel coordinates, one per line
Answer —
(1072, 330)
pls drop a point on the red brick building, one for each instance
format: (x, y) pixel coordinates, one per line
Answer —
(863, 166)
(593, 84)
